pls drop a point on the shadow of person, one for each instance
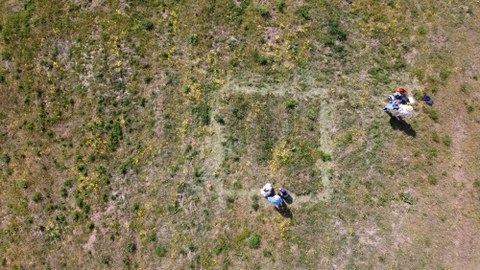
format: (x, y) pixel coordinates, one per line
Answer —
(402, 126)
(284, 211)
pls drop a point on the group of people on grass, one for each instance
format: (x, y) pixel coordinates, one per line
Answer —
(280, 199)
(399, 105)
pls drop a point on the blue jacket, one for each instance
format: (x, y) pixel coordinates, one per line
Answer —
(401, 97)
(276, 200)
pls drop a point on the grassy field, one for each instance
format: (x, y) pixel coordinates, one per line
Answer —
(137, 134)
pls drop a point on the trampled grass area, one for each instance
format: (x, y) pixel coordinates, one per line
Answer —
(137, 134)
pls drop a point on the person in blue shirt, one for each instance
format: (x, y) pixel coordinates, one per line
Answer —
(400, 97)
(276, 200)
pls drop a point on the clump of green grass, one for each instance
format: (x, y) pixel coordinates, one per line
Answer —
(183, 252)
(255, 205)
(6, 56)
(259, 58)
(325, 156)
(444, 74)
(172, 208)
(447, 140)
(435, 137)
(476, 184)
(75, 216)
(230, 199)
(37, 197)
(422, 30)
(219, 119)
(281, 6)
(86, 208)
(197, 172)
(188, 148)
(335, 30)
(90, 226)
(147, 80)
(106, 260)
(98, 74)
(237, 185)
(234, 62)
(29, 220)
(464, 88)
(135, 206)
(79, 202)
(193, 39)
(238, 113)
(380, 74)
(192, 247)
(22, 184)
(68, 183)
(218, 249)
(101, 169)
(267, 253)
(115, 136)
(160, 251)
(254, 241)
(470, 108)
(432, 180)
(290, 104)
(407, 198)
(131, 247)
(263, 11)
(5, 158)
(202, 113)
(152, 237)
(242, 236)
(82, 169)
(304, 12)
(147, 25)
(433, 114)
(311, 116)
(420, 74)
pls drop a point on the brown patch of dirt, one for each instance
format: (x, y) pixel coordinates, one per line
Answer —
(91, 240)
(443, 224)
(463, 229)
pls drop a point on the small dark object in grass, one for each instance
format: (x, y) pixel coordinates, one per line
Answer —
(427, 99)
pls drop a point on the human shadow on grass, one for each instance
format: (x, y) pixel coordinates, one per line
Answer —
(402, 126)
(284, 211)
